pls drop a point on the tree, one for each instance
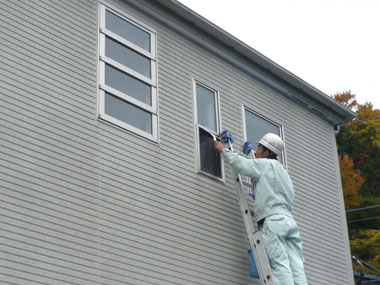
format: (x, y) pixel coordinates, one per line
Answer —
(360, 139)
(347, 99)
(366, 246)
(351, 181)
(359, 159)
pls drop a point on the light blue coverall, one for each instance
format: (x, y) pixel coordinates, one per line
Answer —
(273, 203)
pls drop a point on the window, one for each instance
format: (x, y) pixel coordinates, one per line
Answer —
(128, 73)
(207, 120)
(257, 126)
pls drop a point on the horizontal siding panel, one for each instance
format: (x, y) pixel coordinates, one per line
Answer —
(41, 259)
(64, 148)
(70, 13)
(53, 161)
(20, 34)
(55, 192)
(190, 199)
(88, 110)
(36, 270)
(42, 53)
(84, 9)
(57, 26)
(47, 228)
(155, 172)
(119, 248)
(60, 211)
(49, 168)
(54, 44)
(10, 275)
(43, 73)
(52, 218)
(16, 168)
(34, 100)
(162, 158)
(34, 121)
(191, 227)
(84, 254)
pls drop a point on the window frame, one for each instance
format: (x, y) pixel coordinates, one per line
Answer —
(280, 127)
(196, 129)
(103, 60)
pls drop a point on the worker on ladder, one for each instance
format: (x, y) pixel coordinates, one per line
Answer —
(273, 206)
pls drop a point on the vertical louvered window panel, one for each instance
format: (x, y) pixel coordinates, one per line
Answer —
(127, 73)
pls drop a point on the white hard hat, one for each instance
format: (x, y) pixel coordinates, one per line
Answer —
(272, 142)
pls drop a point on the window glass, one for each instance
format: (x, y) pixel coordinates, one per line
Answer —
(128, 113)
(126, 30)
(210, 158)
(206, 108)
(128, 84)
(128, 57)
(257, 127)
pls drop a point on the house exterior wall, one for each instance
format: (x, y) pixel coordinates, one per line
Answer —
(85, 202)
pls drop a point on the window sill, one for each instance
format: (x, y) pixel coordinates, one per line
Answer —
(208, 175)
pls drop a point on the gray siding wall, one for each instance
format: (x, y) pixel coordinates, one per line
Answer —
(84, 202)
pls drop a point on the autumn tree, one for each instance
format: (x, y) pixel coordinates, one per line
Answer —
(360, 140)
(359, 159)
(347, 99)
(351, 181)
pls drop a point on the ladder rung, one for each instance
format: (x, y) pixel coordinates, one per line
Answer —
(246, 183)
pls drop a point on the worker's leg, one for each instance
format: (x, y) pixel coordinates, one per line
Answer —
(274, 231)
(295, 254)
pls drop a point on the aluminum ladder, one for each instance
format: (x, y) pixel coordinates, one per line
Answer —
(254, 234)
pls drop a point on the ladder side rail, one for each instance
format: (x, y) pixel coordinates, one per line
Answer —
(254, 235)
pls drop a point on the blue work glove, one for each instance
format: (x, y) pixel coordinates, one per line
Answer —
(247, 147)
(226, 136)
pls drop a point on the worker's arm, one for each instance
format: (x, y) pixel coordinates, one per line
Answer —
(243, 165)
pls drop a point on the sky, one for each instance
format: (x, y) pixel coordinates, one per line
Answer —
(334, 45)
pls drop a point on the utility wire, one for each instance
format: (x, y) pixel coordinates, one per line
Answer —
(374, 218)
(359, 121)
(362, 209)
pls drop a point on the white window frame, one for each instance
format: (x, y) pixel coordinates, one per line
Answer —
(103, 60)
(280, 127)
(196, 131)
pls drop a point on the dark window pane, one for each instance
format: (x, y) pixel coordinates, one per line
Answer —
(128, 57)
(127, 30)
(128, 85)
(210, 158)
(206, 107)
(128, 113)
(257, 127)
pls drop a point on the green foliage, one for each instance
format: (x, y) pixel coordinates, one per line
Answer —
(360, 140)
(364, 215)
(365, 244)
(365, 154)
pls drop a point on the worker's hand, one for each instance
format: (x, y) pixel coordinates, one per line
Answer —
(218, 146)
